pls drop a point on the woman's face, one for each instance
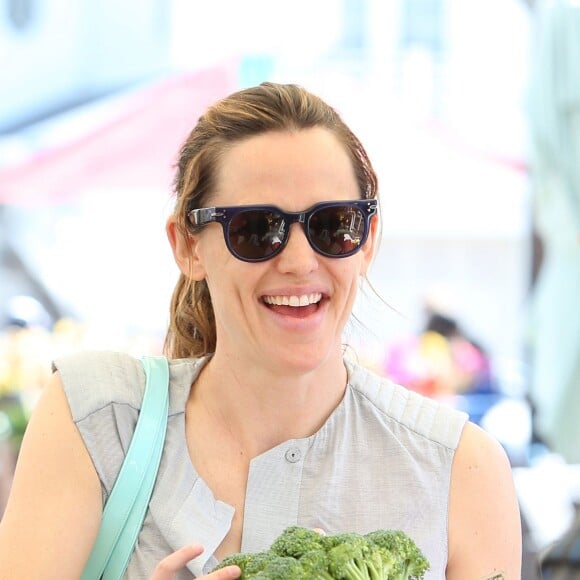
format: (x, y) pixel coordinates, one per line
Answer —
(293, 170)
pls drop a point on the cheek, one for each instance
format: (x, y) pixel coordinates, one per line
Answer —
(350, 270)
(211, 254)
(347, 279)
(229, 279)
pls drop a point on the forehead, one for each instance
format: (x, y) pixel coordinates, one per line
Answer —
(307, 166)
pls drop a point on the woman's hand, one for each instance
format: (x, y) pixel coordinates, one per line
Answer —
(169, 566)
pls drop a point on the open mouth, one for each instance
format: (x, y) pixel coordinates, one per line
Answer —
(296, 306)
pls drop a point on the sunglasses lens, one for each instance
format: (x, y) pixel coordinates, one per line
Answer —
(337, 230)
(256, 234)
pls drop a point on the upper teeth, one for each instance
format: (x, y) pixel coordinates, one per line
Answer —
(303, 300)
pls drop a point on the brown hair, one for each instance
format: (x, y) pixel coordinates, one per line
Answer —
(246, 113)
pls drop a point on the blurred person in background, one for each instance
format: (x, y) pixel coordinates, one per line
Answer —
(269, 424)
(554, 121)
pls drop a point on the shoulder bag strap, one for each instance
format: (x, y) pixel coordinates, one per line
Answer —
(127, 504)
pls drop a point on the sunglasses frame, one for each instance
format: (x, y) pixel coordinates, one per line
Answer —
(224, 214)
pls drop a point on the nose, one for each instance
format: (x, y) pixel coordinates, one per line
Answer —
(297, 257)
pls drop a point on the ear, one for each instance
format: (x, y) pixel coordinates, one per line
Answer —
(371, 245)
(185, 249)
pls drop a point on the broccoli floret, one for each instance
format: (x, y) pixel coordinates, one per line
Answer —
(240, 560)
(258, 562)
(250, 563)
(381, 564)
(315, 564)
(295, 541)
(410, 562)
(282, 568)
(333, 540)
(346, 560)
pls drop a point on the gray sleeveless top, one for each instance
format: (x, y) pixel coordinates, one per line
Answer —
(382, 460)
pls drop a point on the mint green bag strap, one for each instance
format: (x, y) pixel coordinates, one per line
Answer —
(129, 499)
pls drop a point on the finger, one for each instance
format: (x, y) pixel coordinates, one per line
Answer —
(225, 573)
(175, 562)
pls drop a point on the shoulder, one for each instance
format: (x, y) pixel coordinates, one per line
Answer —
(414, 412)
(481, 464)
(94, 379)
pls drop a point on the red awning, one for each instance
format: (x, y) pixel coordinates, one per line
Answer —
(135, 148)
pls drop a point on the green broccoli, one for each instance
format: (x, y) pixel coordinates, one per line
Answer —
(412, 564)
(381, 564)
(295, 541)
(346, 561)
(240, 560)
(249, 563)
(282, 568)
(303, 554)
(315, 564)
(332, 540)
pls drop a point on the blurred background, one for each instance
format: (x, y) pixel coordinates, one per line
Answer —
(470, 112)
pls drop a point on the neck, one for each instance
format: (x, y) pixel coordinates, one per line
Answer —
(263, 407)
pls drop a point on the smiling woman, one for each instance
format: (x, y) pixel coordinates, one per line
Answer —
(275, 223)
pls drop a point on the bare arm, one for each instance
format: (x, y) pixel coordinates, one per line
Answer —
(484, 522)
(54, 509)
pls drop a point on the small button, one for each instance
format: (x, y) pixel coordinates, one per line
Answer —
(293, 455)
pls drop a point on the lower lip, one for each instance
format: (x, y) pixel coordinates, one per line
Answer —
(298, 318)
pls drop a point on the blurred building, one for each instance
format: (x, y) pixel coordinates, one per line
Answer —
(59, 54)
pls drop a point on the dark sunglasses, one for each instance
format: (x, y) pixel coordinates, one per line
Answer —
(254, 233)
